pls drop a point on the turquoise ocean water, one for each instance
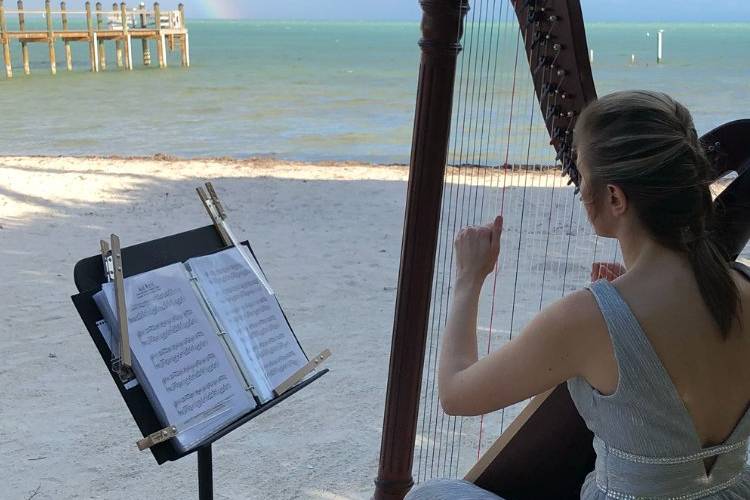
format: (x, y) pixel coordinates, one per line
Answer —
(319, 91)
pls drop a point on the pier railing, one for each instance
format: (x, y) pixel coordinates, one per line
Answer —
(95, 27)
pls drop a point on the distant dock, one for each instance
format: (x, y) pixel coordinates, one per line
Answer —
(119, 25)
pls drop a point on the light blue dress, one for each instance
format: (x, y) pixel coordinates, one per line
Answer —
(645, 440)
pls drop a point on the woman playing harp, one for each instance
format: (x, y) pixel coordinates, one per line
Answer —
(655, 360)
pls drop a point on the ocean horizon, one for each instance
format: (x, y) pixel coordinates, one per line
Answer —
(319, 91)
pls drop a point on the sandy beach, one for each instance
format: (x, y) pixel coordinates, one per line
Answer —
(330, 248)
(328, 237)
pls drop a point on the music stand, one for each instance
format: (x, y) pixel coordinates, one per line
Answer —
(89, 275)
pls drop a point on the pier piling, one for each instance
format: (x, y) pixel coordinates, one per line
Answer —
(160, 52)
(184, 46)
(50, 38)
(659, 46)
(68, 55)
(126, 36)
(93, 63)
(144, 41)
(118, 42)
(6, 42)
(24, 45)
(101, 48)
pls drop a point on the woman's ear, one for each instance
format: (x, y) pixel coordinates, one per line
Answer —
(618, 202)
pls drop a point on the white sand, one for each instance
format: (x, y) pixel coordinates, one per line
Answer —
(329, 238)
(330, 247)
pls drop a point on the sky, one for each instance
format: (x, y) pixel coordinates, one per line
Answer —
(594, 10)
(409, 10)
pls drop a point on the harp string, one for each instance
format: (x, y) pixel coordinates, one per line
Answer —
(526, 168)
(483, 164)
(428, 429)
(548, 231)
(473, 163)
(455, 423)
(467, 150)
(539, 168)
(463, 165)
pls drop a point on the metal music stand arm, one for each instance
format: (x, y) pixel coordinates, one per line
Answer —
(205, 473)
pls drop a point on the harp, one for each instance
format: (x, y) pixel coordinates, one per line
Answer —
(492, 131)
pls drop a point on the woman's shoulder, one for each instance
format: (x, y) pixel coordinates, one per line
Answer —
(578, 318)
(579, 307)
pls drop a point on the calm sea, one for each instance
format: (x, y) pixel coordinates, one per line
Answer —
(319, 91)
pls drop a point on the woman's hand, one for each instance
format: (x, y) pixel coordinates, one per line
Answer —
(609, 271)
(477, 248)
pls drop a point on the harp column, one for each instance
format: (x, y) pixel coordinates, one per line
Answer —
(442, 26)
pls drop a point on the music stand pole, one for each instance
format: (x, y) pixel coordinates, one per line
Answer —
(205, 473)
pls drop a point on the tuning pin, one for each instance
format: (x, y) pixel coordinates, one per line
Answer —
(552, 111)
(533, 16)
(547, 89)
(542, 61)
(560, 134)
(538, 37)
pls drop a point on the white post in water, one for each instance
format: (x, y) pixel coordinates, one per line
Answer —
(659, 46)
(591, 55)
(632, 59)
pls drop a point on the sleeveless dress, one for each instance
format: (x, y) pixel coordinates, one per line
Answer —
(645, 440)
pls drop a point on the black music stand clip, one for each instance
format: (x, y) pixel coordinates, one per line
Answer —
(116, 264)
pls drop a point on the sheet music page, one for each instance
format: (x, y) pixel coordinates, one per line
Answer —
(250, 315)
(180, 355)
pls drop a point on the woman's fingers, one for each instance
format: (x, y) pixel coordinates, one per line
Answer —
(477, 248)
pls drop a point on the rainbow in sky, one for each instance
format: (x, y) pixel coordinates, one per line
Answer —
(222, 9)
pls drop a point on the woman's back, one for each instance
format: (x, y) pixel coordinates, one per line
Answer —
(708, 371)
(675, 422)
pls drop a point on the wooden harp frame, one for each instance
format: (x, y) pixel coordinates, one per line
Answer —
(550, 420)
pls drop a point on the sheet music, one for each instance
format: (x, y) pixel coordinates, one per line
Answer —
(251, 317)
(180, 357)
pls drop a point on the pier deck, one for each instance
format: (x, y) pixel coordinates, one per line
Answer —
(119, 25)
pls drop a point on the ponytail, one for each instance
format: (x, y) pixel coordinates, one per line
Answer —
(717, 288)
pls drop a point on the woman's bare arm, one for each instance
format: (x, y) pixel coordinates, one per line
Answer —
(554, 347)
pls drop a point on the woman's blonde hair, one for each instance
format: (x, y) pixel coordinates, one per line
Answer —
(645, 143)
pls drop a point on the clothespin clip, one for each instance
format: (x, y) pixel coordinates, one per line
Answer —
(218, 215)
(215, 210)
(109, 268)
(156, 437)
(112, 260)
(297, 376)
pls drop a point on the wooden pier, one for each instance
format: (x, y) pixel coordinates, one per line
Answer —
(119, 25)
